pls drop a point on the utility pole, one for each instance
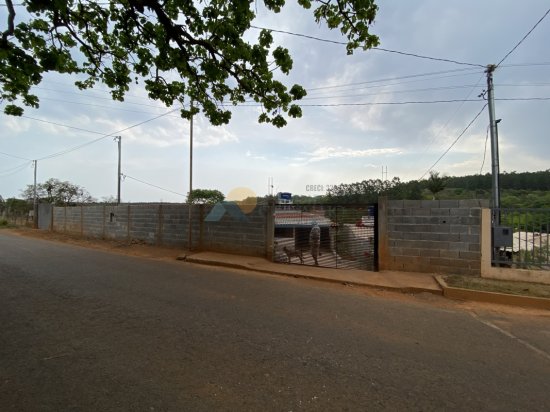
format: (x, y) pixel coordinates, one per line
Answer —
(119, 140)
(35, 198)
(495, 168)
(270, 186)
(190, 178)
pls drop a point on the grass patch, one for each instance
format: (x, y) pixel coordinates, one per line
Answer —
(500, 286)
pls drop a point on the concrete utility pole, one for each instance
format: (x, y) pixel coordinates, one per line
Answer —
(35, 198)
(494, 145)
(119, 174)
(190, 179)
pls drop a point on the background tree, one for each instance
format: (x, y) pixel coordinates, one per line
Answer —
(205, 196)
(109, 200)
(57, 192)
(17, 207)
(179, 50)
(436, 183)
(366, 191)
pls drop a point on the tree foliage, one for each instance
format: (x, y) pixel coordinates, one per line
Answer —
(182, 51)
(57, 192)
(205, 196)
(436, 183)
(16, 207)
(539, 180)
(368, 191)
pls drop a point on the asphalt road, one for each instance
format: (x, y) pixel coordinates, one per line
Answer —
(87, 330)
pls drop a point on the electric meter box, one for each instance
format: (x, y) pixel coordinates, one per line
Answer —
(503, 236)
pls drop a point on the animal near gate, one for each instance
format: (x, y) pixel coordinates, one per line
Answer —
(334, 236)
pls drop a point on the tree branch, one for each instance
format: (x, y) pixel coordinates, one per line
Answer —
(11, 25)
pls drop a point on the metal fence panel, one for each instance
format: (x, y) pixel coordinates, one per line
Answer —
(335, 236)
(529, 245)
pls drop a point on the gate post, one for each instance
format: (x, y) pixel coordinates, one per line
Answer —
(270, 230)
(376, 257)
(383, 246)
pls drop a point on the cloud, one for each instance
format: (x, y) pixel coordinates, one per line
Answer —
(207, 135)
(324, 153)
(171, 131)
(250, 155)
(15, 124)
(328, 145)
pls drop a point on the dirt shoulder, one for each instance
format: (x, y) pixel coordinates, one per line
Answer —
(128, 248)
(500, 286)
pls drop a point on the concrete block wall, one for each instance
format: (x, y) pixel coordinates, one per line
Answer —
(67, 219)
(143, 223)
(244, 234)
(173, 224)
(167, 224)
(115, 222)
(92, 220)
(435, 236)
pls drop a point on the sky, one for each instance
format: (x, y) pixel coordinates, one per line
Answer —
(348, 132)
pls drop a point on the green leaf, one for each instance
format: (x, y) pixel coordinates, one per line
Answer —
(150, 42)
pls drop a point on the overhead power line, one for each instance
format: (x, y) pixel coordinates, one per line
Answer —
(523, 38)
(454, 142)
(103, 136)
(14, 170)
(484, 150)
(61, 125)
(519, 99)
(99, 106)
(15, 156)
(372, 48)
(526, 64)
(378, 93)
(90, 95)
(152, 185)
(391, 103)
(409, 76)
(454, 113)
(403, 103)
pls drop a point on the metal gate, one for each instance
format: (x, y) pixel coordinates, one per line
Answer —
(334, 236)
(521, 238)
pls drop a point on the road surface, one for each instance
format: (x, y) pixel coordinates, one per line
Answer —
(89, 330)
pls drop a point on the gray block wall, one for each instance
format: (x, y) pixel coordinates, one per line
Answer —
(439, 236)
(436, 236)
(167, 224)
(237, 234)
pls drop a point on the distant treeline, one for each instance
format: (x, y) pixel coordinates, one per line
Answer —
(527, 189)
(512, 180)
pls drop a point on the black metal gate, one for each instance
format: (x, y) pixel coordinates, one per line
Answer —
(521, 238)
(335, 236)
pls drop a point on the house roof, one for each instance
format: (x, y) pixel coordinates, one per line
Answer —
(297, 218)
